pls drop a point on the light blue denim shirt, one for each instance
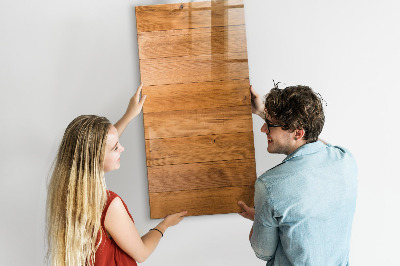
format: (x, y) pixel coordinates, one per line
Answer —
(305, 208)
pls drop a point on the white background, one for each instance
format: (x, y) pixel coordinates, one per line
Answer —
(60, 59)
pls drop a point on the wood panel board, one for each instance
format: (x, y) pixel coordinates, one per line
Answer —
(188, 69)
(196, 96)
(200, 202)
(192, 42)
(224, 147)
(197, 122)
(188, 15)
(197, 116)
(199, 176)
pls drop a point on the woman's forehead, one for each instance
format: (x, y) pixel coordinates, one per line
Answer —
(112, 136)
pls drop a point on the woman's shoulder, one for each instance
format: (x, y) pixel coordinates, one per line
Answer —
(116, 203)
(111, 195)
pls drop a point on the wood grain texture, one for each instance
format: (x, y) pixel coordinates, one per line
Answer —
(192, 42)
(189, 15)
(200, 202)
(199, 176)
(188, 69)
(235, 146)
(197, 115)
(198, 122)
(195, 96)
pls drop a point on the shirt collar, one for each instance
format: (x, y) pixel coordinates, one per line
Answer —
(306, 149)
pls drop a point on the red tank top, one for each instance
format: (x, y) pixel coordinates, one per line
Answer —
(108, 253)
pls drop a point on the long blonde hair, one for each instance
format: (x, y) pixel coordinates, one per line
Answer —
(77, 193)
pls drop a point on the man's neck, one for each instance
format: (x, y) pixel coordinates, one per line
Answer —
(297, 145)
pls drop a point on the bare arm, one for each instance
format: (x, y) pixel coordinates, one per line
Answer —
(122, 229)
(134, 108)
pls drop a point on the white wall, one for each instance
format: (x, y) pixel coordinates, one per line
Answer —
(59, 59)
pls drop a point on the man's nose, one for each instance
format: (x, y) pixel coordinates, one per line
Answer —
(264, 128)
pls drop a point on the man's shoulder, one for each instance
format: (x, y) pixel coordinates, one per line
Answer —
(339, 155)
(308, 163)
(275, 174)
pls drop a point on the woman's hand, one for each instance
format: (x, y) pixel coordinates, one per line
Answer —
(135, 104)
(171, 220)
(174, 219)
(257, 105)
(134, 108)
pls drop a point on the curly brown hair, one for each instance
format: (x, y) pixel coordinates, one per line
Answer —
(297, 107)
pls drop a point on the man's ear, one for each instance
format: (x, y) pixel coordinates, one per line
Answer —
(299, 134)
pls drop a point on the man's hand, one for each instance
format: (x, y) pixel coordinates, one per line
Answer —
(247, 212)
(257, 105)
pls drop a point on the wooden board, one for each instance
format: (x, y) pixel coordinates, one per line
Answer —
(192, 42)
(197, 115)
(197, 122)
(202, 201)
(235, 146)
(195, 96)
(189, 15)
(233, 173)
(172, 70)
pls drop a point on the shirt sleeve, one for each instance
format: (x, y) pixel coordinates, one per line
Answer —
(264, 239)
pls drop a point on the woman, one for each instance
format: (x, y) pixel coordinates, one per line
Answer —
(87, 224)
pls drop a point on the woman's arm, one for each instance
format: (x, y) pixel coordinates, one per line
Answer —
(134, 108)
(122, 229)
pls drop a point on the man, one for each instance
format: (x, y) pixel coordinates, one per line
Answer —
(304, 206)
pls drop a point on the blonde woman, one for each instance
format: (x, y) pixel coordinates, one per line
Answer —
(86, 223)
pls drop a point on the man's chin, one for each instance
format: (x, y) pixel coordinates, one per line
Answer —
(272, 150)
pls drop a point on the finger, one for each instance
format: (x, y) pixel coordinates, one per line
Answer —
(139, 90)
(243, 205)
(141, 102)
(253, 92)
(182, 214)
